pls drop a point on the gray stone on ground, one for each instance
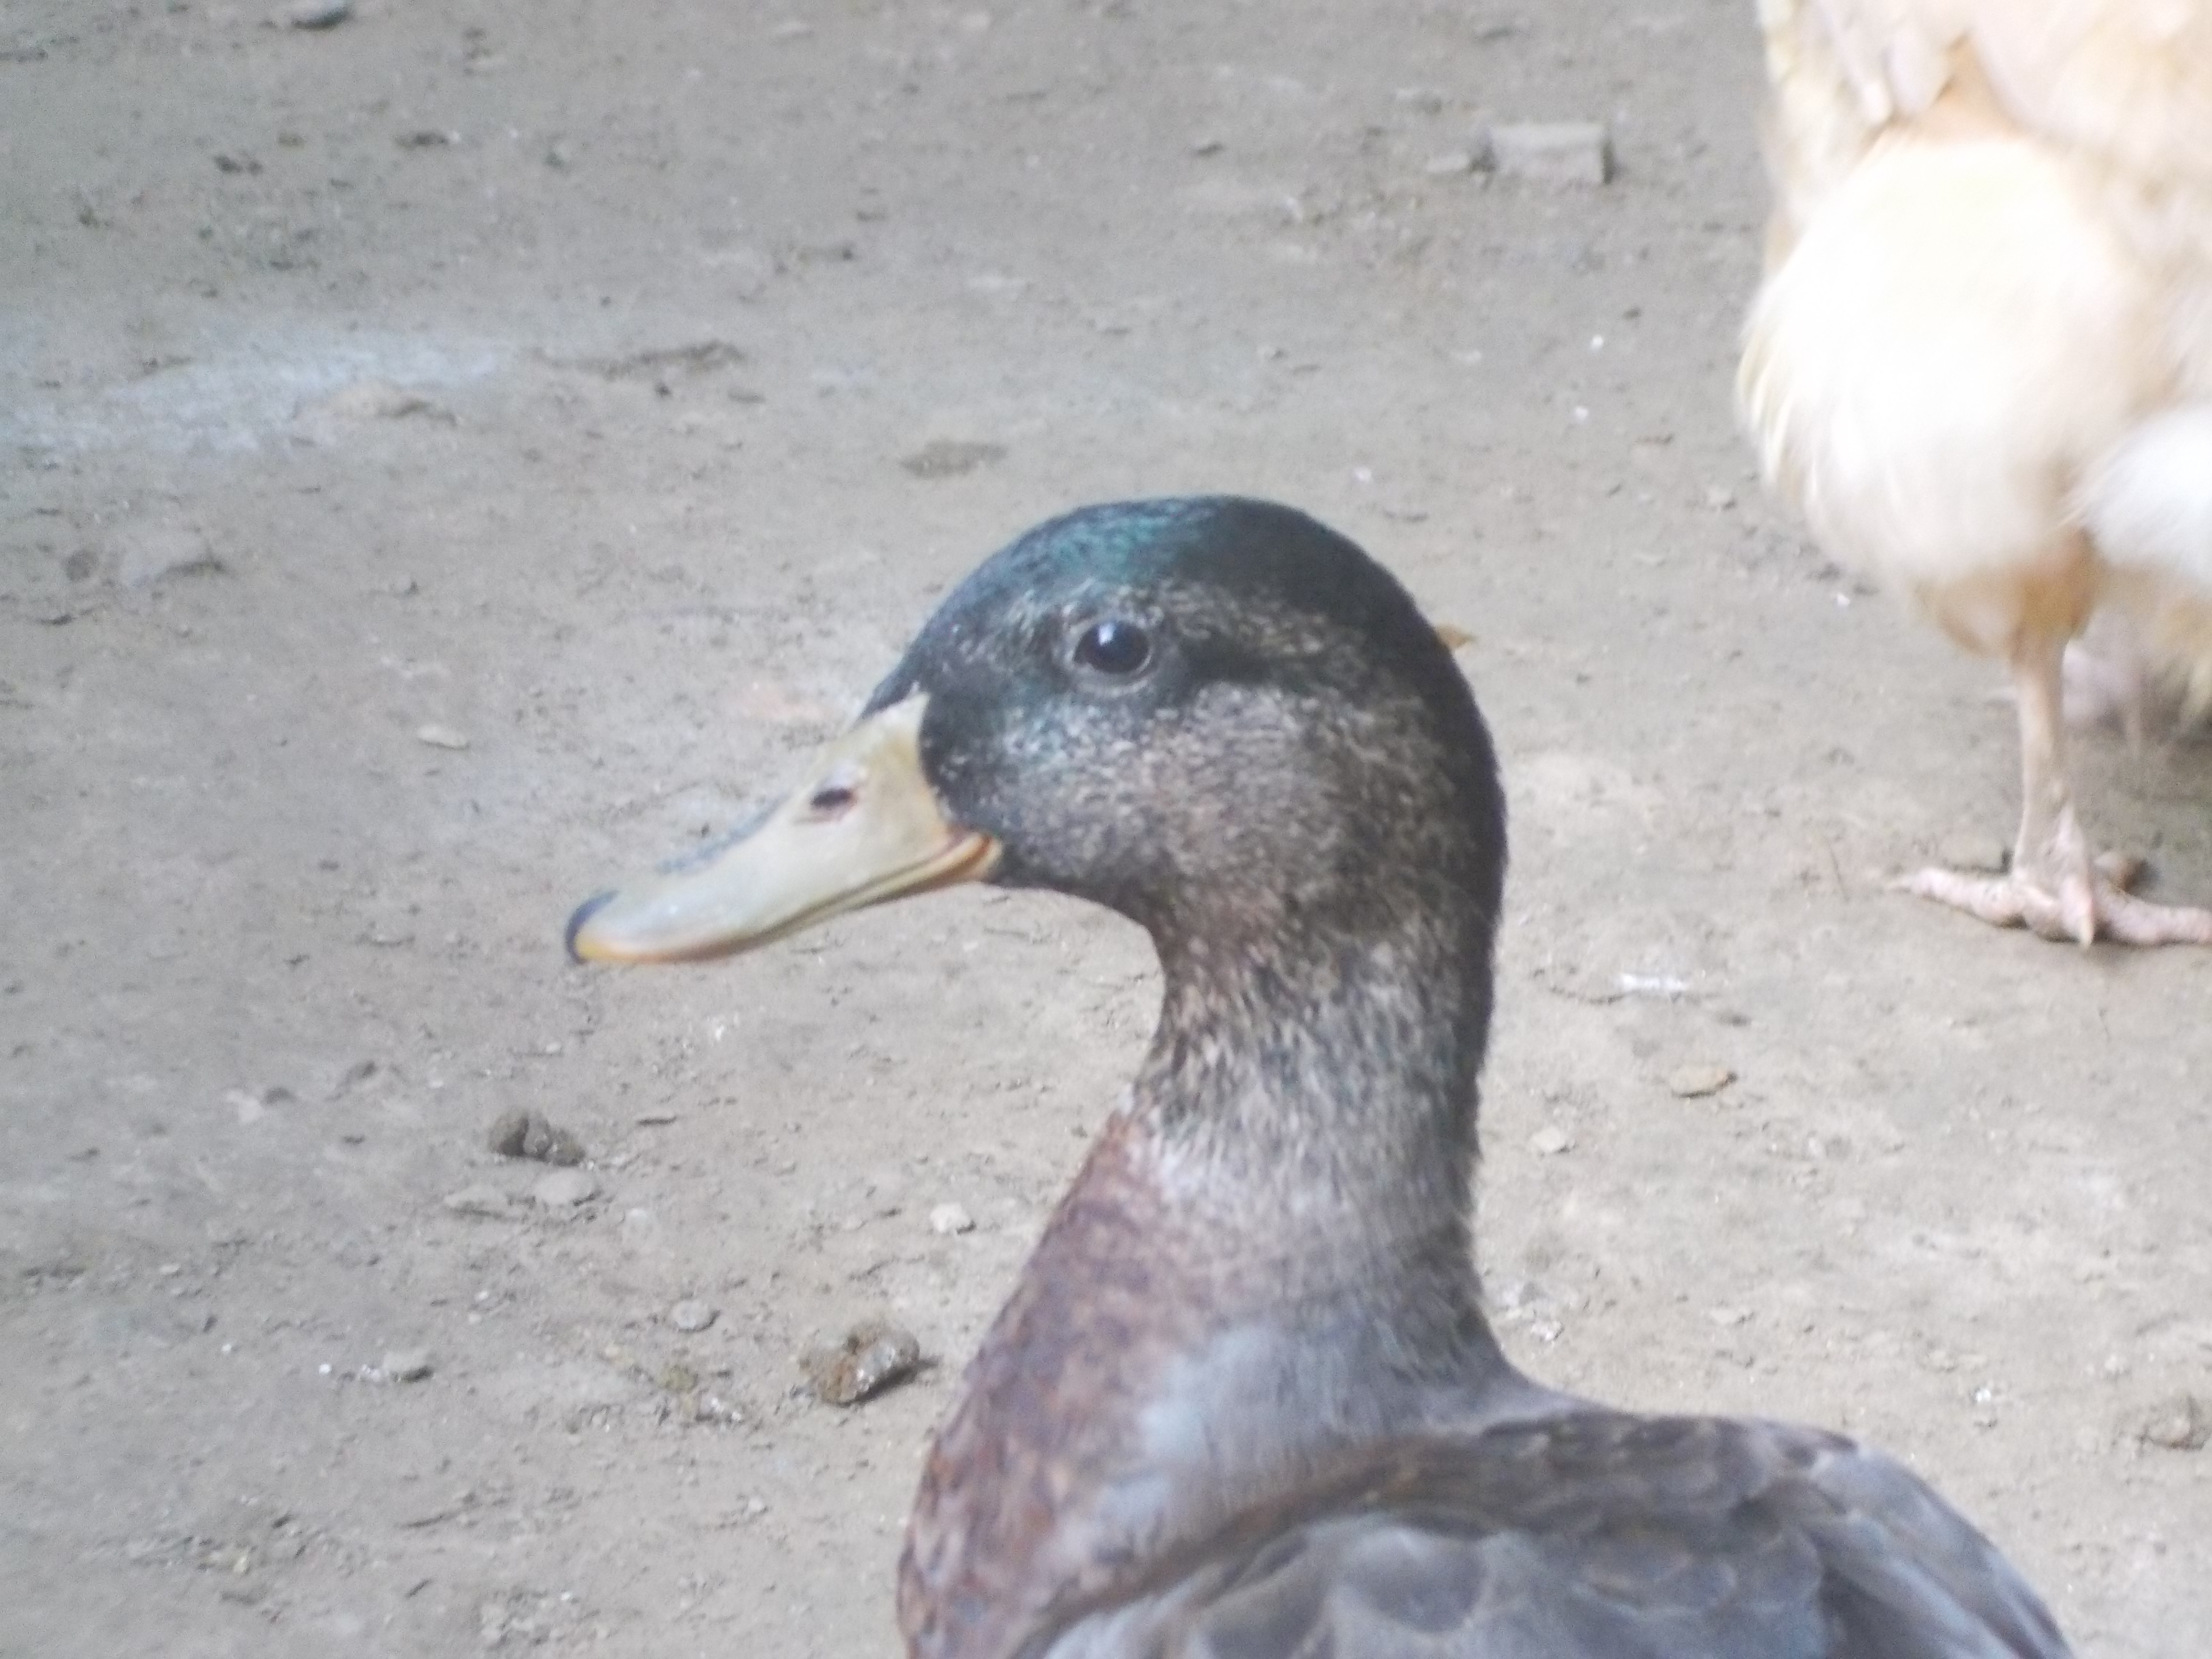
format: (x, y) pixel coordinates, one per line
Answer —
(691, 1315)
(406, 1365)
(378, 401)
(507, 1133)
(564, 1189)
(948, 458)
(1553, 152)
(479, 1199)
(521, 1133)
(873, 1356)
(548, 1143)
(1699, 1079)
(149, 553)
(2180, 1422)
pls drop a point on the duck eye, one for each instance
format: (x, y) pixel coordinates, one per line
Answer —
(1120, 648)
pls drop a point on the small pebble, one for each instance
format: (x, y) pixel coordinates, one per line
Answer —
(508, 1130)
(947, 458)
(373, 399)
(1450, 165)
(319, 13)
(873, 1356)
(691, 1315)
(549, 1144)
(564, 1189)
(151, 553)
(440, 737)
(478, 1200)
(2180, 1422)
(406, 1365)
(1699, 1079)
(1553, 152)
(1551, 1140)
(950, 1218)
(519, 1133)
(702, 1406)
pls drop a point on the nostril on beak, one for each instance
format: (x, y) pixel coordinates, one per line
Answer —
(590, 908)
(830, 800)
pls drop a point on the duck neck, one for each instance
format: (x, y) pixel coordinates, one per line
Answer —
(1318, 1095)
(1264, 1265)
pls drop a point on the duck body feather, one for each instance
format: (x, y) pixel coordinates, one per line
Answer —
(1125, 1476)
(1587, 1534)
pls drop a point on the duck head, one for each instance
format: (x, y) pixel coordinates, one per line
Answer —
(1216, 716)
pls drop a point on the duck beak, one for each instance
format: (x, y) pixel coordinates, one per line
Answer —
(865, 826)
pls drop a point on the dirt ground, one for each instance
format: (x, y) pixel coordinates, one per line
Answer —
(610, 389)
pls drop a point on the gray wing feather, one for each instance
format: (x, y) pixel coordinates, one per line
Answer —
(1593, 1536)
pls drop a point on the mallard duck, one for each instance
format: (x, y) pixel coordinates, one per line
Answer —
(1243, 1399)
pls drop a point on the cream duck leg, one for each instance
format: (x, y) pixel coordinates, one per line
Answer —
(2055, 887)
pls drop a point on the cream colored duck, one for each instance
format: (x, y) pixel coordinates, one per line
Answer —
(1243, 1402)
(1981, 365)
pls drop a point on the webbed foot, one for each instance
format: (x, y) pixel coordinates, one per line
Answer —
(2089, 901)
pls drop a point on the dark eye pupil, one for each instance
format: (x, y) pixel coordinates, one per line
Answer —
(1114, 647)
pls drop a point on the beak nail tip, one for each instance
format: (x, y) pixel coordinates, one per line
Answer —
(584, 912)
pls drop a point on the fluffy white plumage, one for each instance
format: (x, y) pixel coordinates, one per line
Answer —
(1981, 363)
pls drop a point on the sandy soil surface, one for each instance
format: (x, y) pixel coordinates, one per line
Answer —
(610, 389)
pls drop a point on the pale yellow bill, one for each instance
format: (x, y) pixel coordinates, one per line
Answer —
(865, 826)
